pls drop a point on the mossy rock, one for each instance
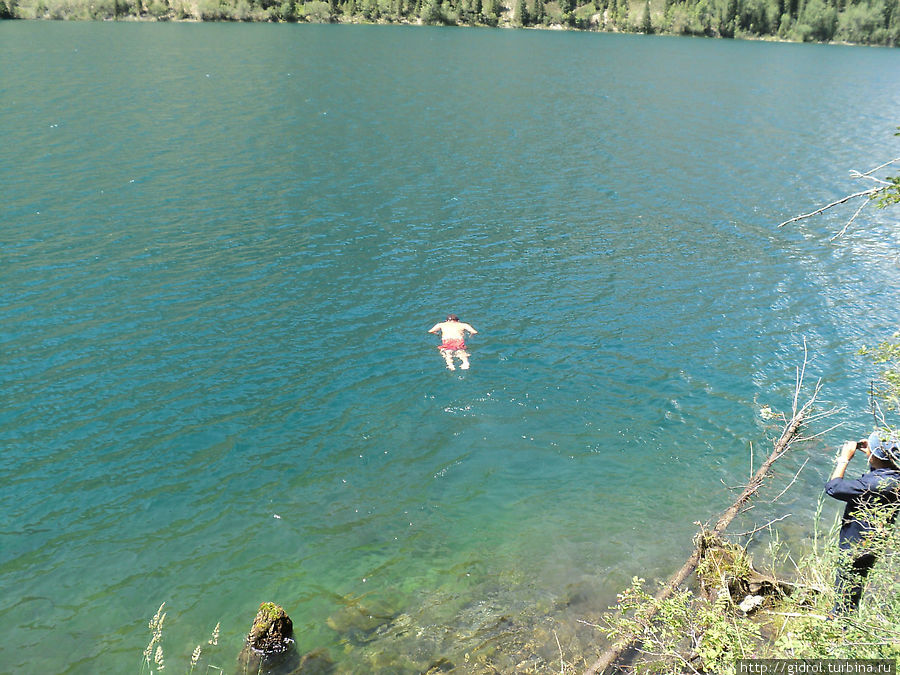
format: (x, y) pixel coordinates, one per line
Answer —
(727, 567)
(269, 648)
(272, 631)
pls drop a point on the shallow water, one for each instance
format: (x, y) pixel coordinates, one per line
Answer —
(223, 246)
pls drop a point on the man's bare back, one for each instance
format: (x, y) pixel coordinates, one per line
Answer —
(453, 340)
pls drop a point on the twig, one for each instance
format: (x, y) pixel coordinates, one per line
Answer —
(732, 487)
(869, 192)
(852, 218)
(761, 527)
(795, 614)
(800, 373)
(794, 480)
(751, 460)
(562, 669)
(821, 433)
(858, 174)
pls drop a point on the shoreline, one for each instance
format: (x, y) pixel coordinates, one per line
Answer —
(502, 23)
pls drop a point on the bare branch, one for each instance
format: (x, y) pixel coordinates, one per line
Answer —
(821, 433)
(562, 668)
(795, 614)
(852, 218)
(858, 174)
(732, 487)
(792, 481)
(761, 527)
(869, 192)
(592, 625)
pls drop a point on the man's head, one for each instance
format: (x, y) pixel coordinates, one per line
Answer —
(884, 450)
(452, 317)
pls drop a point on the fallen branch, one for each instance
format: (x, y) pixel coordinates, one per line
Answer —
(788, 436)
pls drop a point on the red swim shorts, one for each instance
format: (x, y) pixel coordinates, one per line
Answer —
(453, 345)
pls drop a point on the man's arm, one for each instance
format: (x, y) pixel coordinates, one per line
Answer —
(839, 487)
(469, 328)
(436, 329)
(848, 449)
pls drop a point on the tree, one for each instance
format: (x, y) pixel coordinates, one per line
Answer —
(728, 21)
(646, 26)
(821, 19)
(522, 13)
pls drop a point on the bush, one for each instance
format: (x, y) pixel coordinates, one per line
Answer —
(316, 12)
(857, 23)
(158, 9)
(820, 19)
(212, 10)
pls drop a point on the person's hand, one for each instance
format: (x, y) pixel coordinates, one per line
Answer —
(848, 449)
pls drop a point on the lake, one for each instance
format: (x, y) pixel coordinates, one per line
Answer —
(222, 248)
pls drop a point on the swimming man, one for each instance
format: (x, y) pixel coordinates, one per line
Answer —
(453, 340)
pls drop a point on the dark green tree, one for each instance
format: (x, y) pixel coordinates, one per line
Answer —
(537, 13)
(820, 19)
(729, 19)
(522, 13)
(646, 25)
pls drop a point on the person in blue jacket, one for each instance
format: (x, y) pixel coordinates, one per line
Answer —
(880, 485)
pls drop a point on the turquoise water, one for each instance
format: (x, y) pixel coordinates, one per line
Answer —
(222, 247)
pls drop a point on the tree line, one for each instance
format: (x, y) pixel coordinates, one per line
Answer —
(873, 22)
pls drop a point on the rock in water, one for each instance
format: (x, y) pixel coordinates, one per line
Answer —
(270, 648)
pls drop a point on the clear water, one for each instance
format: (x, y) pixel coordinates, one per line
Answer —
(222, 247)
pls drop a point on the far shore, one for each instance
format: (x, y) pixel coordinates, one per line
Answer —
(506, 19)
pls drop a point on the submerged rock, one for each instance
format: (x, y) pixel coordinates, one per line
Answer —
(316, 662)
(357, 622)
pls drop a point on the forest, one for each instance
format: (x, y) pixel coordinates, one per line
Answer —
(867, 22)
